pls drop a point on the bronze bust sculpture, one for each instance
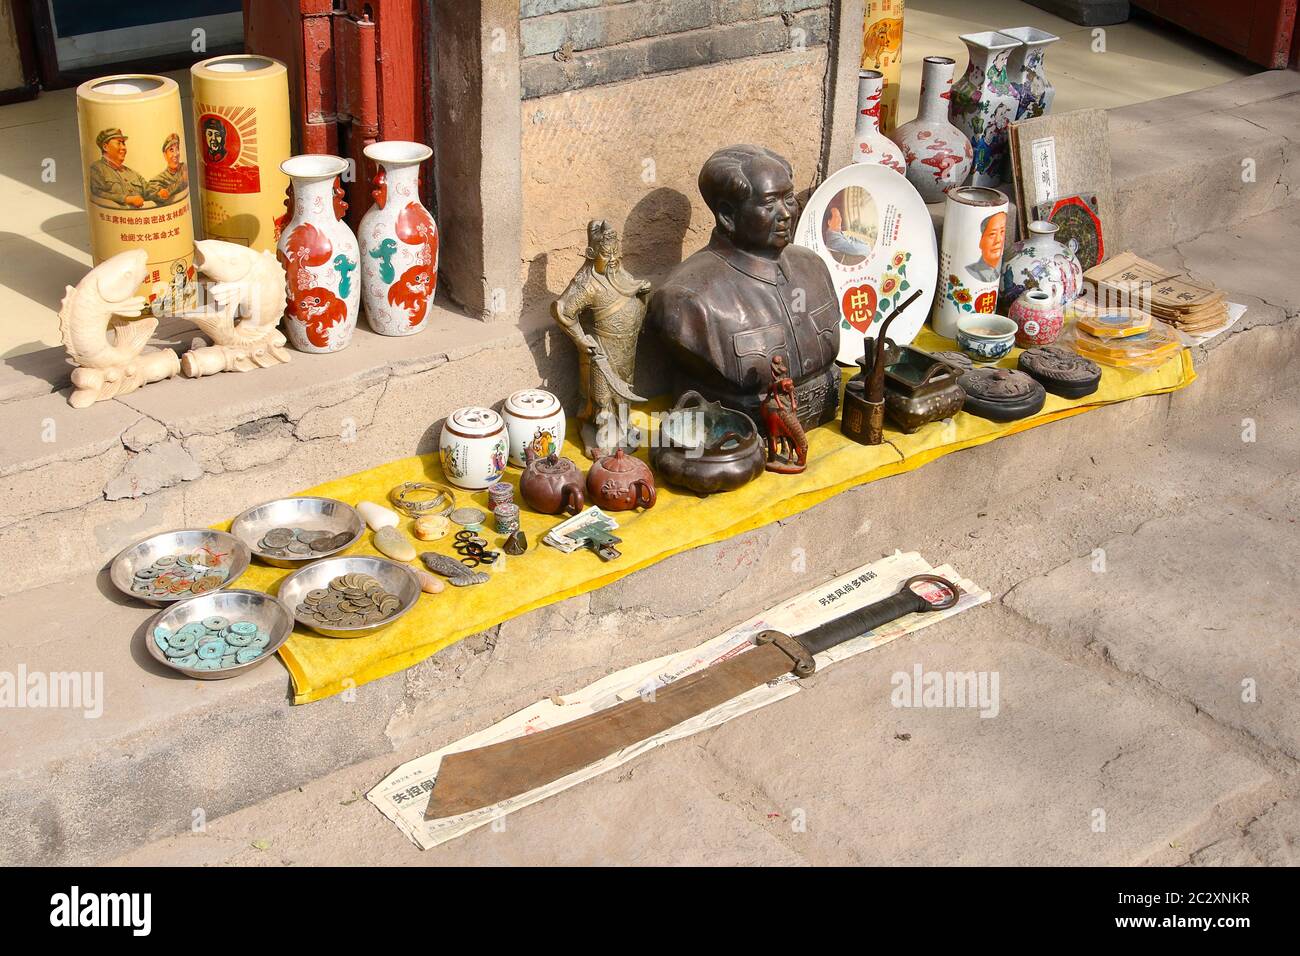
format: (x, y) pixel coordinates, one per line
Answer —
(616, 304)
(750, 295)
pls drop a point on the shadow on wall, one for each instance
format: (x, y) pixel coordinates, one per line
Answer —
(40, 274)
(653, 234)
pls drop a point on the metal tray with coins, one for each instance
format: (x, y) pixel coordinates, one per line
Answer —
(219, 635)
(177, 565)
(289, 532)
(350, 596)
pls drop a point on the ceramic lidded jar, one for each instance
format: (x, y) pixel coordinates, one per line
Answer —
(1040, 262)
(1038, 316)
(535, 422)
(1034, 91)
(869, 144)
(552, 485)
(320, 256)
(984, 104)
(620, 482)
(938, 154)
(399, 242)
(473, 447)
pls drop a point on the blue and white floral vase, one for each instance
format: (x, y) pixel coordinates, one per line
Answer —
(984, 104)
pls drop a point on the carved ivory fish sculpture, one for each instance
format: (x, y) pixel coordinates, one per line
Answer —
(100, 303)
(249, 290)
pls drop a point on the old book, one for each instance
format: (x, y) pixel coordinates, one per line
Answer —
(1061, 155)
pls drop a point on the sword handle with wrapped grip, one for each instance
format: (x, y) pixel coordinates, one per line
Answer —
(907, 600)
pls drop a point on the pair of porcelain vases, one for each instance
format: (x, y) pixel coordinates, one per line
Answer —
(390, 268)
(961, 130)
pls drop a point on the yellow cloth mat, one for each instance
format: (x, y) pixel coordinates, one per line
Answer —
(322, 666)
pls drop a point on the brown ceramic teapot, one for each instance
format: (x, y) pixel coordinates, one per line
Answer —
(621, 482)
(551, 485)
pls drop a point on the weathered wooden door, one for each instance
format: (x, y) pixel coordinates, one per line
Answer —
(1259, 30)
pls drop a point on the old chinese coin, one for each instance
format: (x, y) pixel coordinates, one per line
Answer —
(468, 516)
(350, 600)
(175, 576)
(301, 542)
(212, 644)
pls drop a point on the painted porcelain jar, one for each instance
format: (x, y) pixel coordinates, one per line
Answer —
(1038, 315)
(869, 144)
(1034, 91)
(938, 154)
(473, 448)
(399, 242)
(319, 255)
(1040, 262)
(984, 103)
(535, 422)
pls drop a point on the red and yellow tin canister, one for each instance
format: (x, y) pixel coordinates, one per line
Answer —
(241, 130)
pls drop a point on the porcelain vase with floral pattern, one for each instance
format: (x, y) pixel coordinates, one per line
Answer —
(938, 154)
(1040, 262)
(984, 103)
(869, 144)
(319, 255)
(399, 242)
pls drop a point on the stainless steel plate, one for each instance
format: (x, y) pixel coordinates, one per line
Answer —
(311, 514)
(144, 553)
(263, 610)
(398, 579)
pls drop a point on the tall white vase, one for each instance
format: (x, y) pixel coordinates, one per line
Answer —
(938, 154)
(399, 243)
(320, 256)
(869, 144)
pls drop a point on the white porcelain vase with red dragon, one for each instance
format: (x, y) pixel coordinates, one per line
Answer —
(399, 242)
(870, 145)
(320, 257)
(938, 153)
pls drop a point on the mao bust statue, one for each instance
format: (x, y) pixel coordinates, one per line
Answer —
(750, 296)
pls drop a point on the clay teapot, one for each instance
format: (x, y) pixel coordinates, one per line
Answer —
(621, 482)
(551, 485)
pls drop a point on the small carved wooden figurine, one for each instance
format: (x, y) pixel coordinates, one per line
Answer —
(787, 445)
(614, 304)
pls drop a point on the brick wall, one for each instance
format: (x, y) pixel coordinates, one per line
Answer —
(574, 44)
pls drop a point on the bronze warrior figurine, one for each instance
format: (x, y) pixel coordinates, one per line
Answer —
(615, 303)
(750, 295)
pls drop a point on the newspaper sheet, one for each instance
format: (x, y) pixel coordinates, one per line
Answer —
(403, 795)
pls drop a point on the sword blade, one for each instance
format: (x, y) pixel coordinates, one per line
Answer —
(620, 388)
(473, 779)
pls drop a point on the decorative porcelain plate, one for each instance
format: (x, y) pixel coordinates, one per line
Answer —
(873, 231)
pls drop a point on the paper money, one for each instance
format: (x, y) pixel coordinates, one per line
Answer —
(559, 536)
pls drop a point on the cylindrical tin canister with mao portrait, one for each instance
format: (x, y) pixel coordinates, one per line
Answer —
(970, 256)
(137, 183)
(241, 131)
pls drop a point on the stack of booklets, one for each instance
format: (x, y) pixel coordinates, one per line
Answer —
(1172, 297)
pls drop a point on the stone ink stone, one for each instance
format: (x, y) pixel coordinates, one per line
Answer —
(1001, 395)
(1061, 371)
(959, 359)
